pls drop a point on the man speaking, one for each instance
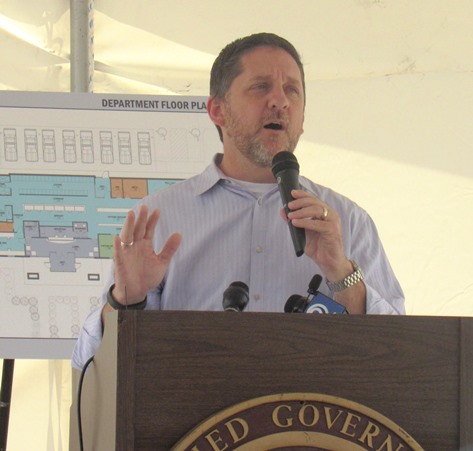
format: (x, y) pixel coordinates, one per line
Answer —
(181, 247)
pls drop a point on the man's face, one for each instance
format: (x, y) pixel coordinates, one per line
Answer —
(264, 107)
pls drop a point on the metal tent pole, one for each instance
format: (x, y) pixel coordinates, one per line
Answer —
(82, 48)
(82, 68)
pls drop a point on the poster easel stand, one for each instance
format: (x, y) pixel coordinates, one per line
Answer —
(5, 400)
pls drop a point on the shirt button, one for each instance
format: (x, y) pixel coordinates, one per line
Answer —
(260, 201)
(256, 297)
(259, 249)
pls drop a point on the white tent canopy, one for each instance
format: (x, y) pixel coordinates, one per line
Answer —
(167, 47)
(156, 41)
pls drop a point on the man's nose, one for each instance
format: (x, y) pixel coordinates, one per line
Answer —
(278, 98)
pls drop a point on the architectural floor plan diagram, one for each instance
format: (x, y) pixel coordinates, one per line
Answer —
(70, 169)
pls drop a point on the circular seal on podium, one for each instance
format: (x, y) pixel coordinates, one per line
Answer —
(297, 422)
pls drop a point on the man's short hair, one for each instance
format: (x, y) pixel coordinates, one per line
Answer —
(228, 65)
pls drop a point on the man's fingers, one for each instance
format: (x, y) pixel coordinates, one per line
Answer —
(139, 228)
(128, 226)
(151, 225)
(117, 245)
(170, 248)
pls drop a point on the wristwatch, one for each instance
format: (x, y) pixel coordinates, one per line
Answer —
(350, 280)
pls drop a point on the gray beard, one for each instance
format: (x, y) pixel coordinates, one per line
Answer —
(250, 147)
(259, 155)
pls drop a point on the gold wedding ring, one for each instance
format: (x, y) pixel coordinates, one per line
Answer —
(125, 244)
(324, 214)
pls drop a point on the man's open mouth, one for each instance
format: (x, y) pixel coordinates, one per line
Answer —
(274, 126)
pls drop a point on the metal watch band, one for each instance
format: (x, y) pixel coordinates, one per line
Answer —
(350, 280)
(117, 306)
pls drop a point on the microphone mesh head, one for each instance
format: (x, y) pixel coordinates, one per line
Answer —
(295, 304)
(284, 160)
(315, 283)
(236, 296)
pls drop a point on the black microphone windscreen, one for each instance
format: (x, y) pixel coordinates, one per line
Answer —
(315, 283)
(236, 297)
(284, 160)
(295, 304)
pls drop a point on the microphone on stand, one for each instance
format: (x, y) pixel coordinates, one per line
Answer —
(314, 302)
(286, 172)
(295, 304)
(235, 297)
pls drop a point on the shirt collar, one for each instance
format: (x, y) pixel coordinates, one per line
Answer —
(212, 175)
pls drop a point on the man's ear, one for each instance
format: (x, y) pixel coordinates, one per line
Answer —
(215, 109)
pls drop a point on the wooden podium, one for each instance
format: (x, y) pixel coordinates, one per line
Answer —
(159, 374)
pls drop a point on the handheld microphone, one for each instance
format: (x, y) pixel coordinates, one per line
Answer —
(314, 302)
(235, 297)
(286, 172)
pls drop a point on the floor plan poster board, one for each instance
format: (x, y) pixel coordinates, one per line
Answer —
(71, 166)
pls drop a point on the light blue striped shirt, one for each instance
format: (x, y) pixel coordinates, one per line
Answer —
(230, 234)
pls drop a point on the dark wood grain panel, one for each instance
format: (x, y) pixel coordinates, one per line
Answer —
(189, 365)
